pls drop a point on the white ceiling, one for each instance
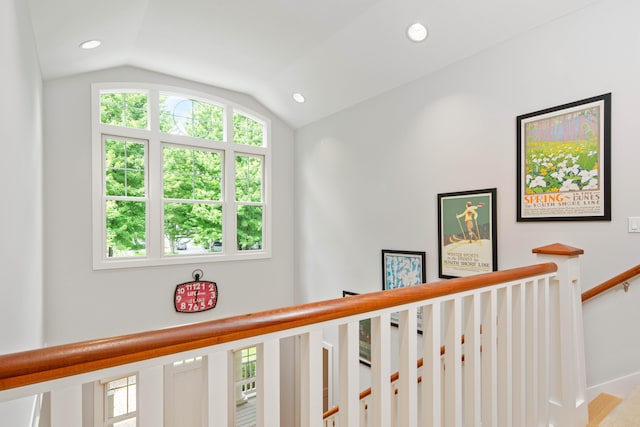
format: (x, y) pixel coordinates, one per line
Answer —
(336, 52)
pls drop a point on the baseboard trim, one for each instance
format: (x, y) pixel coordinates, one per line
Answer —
(620, 387)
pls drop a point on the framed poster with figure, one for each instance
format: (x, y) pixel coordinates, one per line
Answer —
(467, 233)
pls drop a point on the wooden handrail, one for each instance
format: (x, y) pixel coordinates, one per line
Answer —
(34, 366)
(614, 281)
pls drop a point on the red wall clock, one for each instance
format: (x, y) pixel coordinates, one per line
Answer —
(196, 296)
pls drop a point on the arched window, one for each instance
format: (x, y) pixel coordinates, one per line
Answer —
(177, 177)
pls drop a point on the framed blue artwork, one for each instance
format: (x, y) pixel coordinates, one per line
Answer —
(401, 269)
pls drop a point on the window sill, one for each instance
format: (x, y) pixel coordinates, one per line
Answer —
(118, 263)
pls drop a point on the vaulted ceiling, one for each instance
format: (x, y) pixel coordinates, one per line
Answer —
(335, 52)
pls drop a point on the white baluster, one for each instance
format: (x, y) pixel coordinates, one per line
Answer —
(311, 378)
(543, 349)
(505, 357)
(220, 385)
(66, 406)
(408, 381)
(472, 362)
(268, 384)
(431, 366)
(489, 359)
(151, 394)
(349, 374)
(532, 376)
(519, 355)
(379, 411)
(453, 363)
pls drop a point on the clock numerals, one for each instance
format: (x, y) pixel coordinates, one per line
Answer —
(193, 297)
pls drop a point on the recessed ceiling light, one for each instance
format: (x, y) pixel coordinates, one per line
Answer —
(298, 97)
(90, 44)
(417, 32)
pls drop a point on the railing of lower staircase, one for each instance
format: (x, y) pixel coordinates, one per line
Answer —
(530, 370)
(620, 279)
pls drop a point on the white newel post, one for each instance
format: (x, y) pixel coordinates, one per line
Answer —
(567, 382)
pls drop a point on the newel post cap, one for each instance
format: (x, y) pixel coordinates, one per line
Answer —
(558, 249)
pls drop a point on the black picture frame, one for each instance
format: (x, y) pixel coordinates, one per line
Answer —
(472, 248)
(401, 269)
(364, 335)
(564, 162)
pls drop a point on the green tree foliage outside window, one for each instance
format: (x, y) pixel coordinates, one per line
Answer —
(183, 116)
(124, 109)
(192, 175)
(199, 224)
(247, 131)
(248, 178)
(126, 208)
(249, 219)
(249, 190)
(124, 168)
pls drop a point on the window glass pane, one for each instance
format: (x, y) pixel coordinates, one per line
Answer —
(124, 168)
(192, 228)
(183, 116)
(248, 362)
(120, 394)
(248, 178)
(192, 174)
(127, 423)
(247, 131)
(126, 228)
(249, 228)
(124, 109)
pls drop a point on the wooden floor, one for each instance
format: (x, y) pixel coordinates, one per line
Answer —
(627, 413)
(246, 413)
(600, 407)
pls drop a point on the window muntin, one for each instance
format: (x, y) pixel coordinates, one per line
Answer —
(120, 402)
(248, 371)
(125, 197)
(249, 201)
(184, 116)
(170, 189)
(124, 167)
(249, 172)
(192, 175)
(127, 109)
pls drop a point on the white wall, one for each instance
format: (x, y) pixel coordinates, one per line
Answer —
(367, 178)
(82, 303)
(21, 178)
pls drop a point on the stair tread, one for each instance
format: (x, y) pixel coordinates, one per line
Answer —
(600, 407)
(626, 414)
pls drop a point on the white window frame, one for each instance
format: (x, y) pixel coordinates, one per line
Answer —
(100, 401)
(155, 140)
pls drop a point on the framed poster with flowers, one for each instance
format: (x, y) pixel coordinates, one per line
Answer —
(564, 162)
